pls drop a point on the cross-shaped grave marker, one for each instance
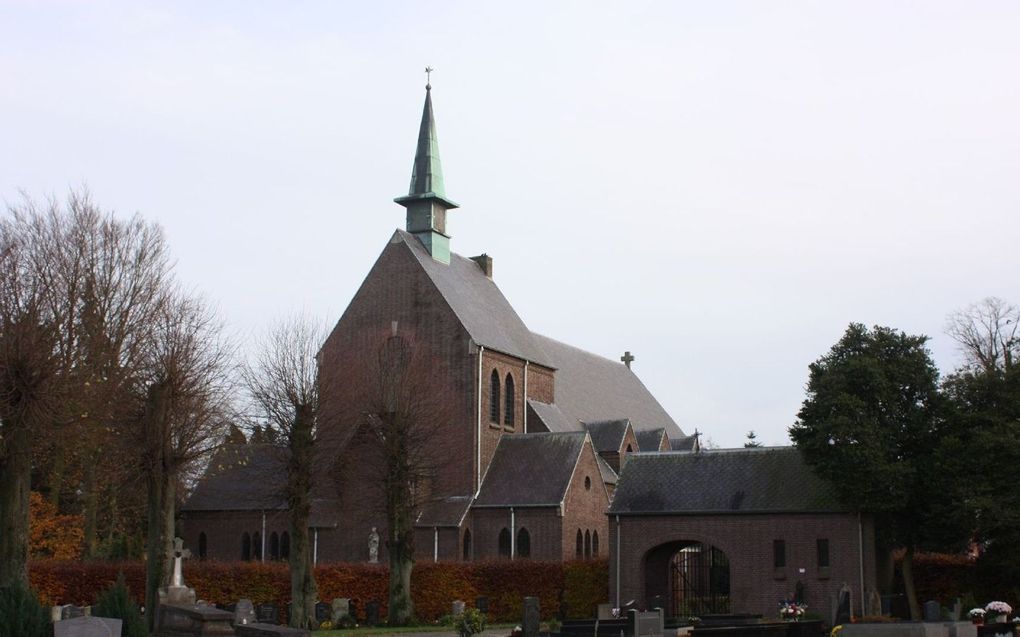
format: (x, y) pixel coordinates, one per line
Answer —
(179, 554)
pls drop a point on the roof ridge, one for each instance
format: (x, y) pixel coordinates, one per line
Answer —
(574, 347)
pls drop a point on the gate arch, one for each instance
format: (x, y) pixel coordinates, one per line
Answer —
(687, 578)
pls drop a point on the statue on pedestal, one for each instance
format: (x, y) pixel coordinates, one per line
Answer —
(373, 546)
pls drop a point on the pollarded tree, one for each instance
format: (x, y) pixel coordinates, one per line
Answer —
(871, 425)
(284, 384)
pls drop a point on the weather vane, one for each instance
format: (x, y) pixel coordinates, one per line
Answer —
(428, 76)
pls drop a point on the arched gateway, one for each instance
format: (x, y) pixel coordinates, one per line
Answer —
(733, 531)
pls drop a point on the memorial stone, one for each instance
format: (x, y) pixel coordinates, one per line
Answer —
(605, 611)
(372, 613)
(268, 613)
(843, 606)
(70, 611)
(532, 617)
(647, 624)
(458, 608)
(932, 611)
(341, 609)
(244, 612)
(482, 604)
(88, 627)
(323, 612)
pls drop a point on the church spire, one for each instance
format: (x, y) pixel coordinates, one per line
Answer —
(426, 200)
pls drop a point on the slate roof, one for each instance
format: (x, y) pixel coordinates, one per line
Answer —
(550, 417)
(478, 303)
(531, 469)
(684, 443)
(242, 478)
(592, 388)
(609, 476)
(607, 435)
(649, 439)
(443, 512)
(766, 479)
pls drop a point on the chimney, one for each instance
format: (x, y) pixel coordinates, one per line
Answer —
(484, 261)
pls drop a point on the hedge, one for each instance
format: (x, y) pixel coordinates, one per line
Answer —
(580, 585)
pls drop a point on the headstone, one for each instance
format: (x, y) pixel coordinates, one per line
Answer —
(323, 612)
(532, 617)
(458, 608)
(843, 606)
(372, 613)
(70, 611)
(482, 604)
(957, 612)
(88, 627)
(268, 613)
(605, 611)
(373, 546)
(874, 603)
(194, 620)
(56, 613)
(244, 612)
(647, 624)
(177, 593)
(932, 611)
(341, 609)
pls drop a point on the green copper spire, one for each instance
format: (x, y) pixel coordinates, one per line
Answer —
(426, 200)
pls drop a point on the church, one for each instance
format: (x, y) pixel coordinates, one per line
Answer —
(541, 451)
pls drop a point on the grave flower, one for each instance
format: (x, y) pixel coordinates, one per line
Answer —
(792, 611)
(999, 610)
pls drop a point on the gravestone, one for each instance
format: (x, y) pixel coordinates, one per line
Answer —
(270, 630)
(70, 611)
(341, 609)
(532, 617)
(88, 627)
(182, 621)
(323, 612)
(458, 608)
(244, 612)
(177, 593)
(932, 611)
(648, 624)
(268, 613)
(372, 613)
(843, 606)
(874, 603)
(482, 604)
(605, 611)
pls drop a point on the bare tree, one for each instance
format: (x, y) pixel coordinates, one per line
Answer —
(284, 384)
(988, 333)
(184, 388)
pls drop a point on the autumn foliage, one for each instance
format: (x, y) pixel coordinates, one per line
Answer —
(581, 585)
(52, 535)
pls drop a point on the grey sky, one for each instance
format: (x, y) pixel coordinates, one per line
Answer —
(718, 187)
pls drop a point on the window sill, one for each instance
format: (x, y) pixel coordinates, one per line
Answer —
(508, 428)
(495, 425)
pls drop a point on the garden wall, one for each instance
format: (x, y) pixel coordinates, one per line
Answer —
(580, 585)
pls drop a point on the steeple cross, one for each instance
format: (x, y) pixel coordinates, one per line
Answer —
(627, 359)
(428, 76)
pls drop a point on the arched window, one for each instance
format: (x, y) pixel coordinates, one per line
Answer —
(504, 543)
(256, 545)
(494, 397)
(467, 544)
(274, 546)
(202, 546)
(595, 544)
(245, 546)
(508, 410)
(285, 546)
(523, 543)
(587, 545)
(580, 545)
(630, 449)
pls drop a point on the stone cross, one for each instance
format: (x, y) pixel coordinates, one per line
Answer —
(627, 359)
(179, 554)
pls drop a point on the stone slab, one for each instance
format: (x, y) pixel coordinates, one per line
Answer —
(194, 621)
(896, 629)
(88, 627)
(270, 630)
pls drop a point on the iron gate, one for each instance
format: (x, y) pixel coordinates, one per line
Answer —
(700, 581)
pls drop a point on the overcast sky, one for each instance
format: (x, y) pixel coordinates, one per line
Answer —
(717, 187)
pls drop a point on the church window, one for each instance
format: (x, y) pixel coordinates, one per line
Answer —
(508, 410)
(494, 397)
(630, 449)
(595, 544)
(504, 542)
(202, 546)
(778, 553)
(580, 545)
(523, 543)
(274, 546)
(467, 545)
(256, 546)
(285, 546)
(822, 548)
(587, 483)
(587, 545)
(245, 546)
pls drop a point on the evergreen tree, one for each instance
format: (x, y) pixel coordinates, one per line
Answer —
(752, 440)
(115, 602)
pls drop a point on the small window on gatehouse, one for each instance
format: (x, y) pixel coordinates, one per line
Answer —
(256, 545)
(245, 546)
(580, 545)
(778, 553)
(274, 546)
(504, 542)
(587, 545)
(467, 544)
(822, 548)
(595, 544)
(523, 543)
(285, 546)
(508, 409)
(202, 546)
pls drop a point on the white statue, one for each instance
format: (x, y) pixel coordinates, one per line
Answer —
(373, 546)
(179, 554)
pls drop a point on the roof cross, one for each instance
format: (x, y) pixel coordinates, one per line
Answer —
(627, 359)
(428, 76)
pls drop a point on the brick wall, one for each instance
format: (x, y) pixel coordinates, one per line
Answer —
(755, 585)
(585, 506)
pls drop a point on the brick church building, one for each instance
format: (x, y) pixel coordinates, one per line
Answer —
(541, 451)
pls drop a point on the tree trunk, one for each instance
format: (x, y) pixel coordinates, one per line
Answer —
(56, 479)
(91, 513)
(908, 584)
(156, 443)
(303, 588)
(15, 476)
(401, 607)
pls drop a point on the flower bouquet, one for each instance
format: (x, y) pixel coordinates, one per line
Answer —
(998, 611)
(792, 611)
(976, 615)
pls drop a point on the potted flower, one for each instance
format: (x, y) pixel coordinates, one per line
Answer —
(977, 616)
(998, 612)
(792, 611)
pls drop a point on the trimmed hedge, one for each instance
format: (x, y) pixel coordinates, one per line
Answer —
(581, 585)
